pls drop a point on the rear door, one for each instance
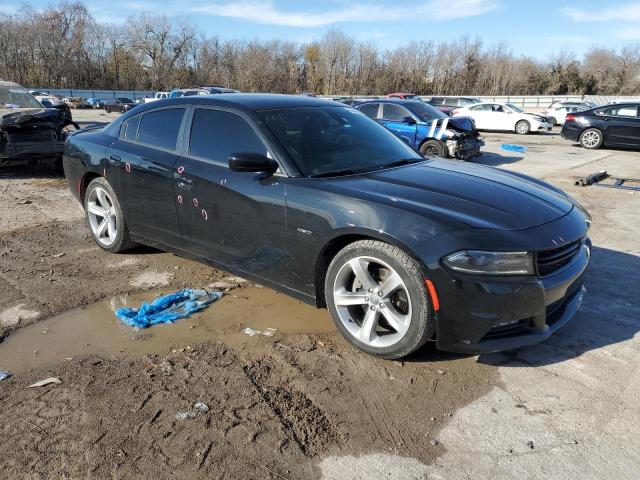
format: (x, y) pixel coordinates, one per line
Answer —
(393, 117)
(142, 164)
(234, 219)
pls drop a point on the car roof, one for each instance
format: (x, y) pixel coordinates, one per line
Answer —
(399, 101)
(251, 102)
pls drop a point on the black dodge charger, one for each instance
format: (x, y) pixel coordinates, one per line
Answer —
(318, 201)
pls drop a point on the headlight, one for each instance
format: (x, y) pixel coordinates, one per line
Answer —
(490, 263)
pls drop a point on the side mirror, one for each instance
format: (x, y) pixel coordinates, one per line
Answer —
(252, 162)
(409, 120)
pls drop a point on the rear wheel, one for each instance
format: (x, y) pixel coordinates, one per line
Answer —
(376, 296)
(433, 148)
(523, 127)
(591, 138)
(107, 109)
(105, 217)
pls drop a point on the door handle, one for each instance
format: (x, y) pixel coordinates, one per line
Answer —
(115, 160)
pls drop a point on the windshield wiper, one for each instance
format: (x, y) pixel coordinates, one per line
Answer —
(399, 163)
(336, 173)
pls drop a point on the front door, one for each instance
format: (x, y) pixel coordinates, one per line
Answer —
(623, 126)
(235, 219)
(394, 118)
(142, 163)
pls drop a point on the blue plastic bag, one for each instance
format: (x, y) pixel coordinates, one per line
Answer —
(168, 308)
(513, 148)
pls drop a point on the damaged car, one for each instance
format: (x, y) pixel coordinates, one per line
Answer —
(28, 131)
(425, 128)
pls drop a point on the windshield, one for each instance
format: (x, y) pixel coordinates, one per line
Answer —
(424, 111)
(324, 141)
(514, 108)
(17, 97)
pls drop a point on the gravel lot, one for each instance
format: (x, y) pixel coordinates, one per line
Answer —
(303, 404)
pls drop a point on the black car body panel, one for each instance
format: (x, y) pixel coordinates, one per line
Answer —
(619, 123)
(281, 230)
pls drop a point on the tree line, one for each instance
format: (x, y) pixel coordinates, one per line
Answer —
(63, 46)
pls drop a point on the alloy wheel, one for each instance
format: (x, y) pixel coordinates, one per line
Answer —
(372, 301)
(102, 216)
(590, 139)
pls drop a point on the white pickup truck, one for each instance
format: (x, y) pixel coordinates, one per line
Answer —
(157, 96)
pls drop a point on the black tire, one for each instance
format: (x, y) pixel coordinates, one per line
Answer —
(591, 139)
(107, 109)
(422, 324)
(554, 121)
(523, 127)
(122, 240)
(433, 148)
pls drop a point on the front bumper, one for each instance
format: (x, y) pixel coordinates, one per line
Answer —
(25, 152)
(542, 126)
(465, 148)
(485, 315)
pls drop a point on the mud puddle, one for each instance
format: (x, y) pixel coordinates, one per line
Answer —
(95, 329)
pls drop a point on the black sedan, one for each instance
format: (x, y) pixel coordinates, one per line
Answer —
(317, 200)
(120, 104)
(611, 126)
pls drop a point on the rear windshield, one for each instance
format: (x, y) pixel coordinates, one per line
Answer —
(17, 97)
(335, 140)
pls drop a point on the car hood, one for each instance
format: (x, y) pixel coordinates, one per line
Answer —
(17, 117)
(475, 195)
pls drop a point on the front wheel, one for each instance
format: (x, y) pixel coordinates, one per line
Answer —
(523, 127)
(433, 148)
(107, 109)
(591, 138)
(377, 298)
(105, 217)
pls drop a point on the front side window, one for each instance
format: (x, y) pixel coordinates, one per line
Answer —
(160, 128)
(216, 134)
(327, 141)
(394, 113)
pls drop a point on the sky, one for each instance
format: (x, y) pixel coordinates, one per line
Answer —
(534, 28)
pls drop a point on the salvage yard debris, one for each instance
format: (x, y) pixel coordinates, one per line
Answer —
(168, 308)
(198, 408)
(46, 381)
(513, 148)
(596, 179)
(4, 375)
(269, 332)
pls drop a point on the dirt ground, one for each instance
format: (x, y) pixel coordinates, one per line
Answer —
(302, 403)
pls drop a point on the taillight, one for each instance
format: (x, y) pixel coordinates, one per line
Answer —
(570, 118)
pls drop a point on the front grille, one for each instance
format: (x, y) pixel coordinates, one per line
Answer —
(549, 261)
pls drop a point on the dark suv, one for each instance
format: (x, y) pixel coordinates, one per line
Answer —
(449, 104)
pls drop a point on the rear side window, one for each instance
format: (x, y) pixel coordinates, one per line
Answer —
(452, 102)
(216, 134)
(436, 101)
(131, 128)
(394, 113)
(619, 111)
(370, 109)
(160, 128)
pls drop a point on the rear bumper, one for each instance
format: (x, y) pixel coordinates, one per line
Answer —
(570, 132)
(493, 315)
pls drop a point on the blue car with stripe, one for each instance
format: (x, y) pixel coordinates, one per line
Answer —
(425, 128)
